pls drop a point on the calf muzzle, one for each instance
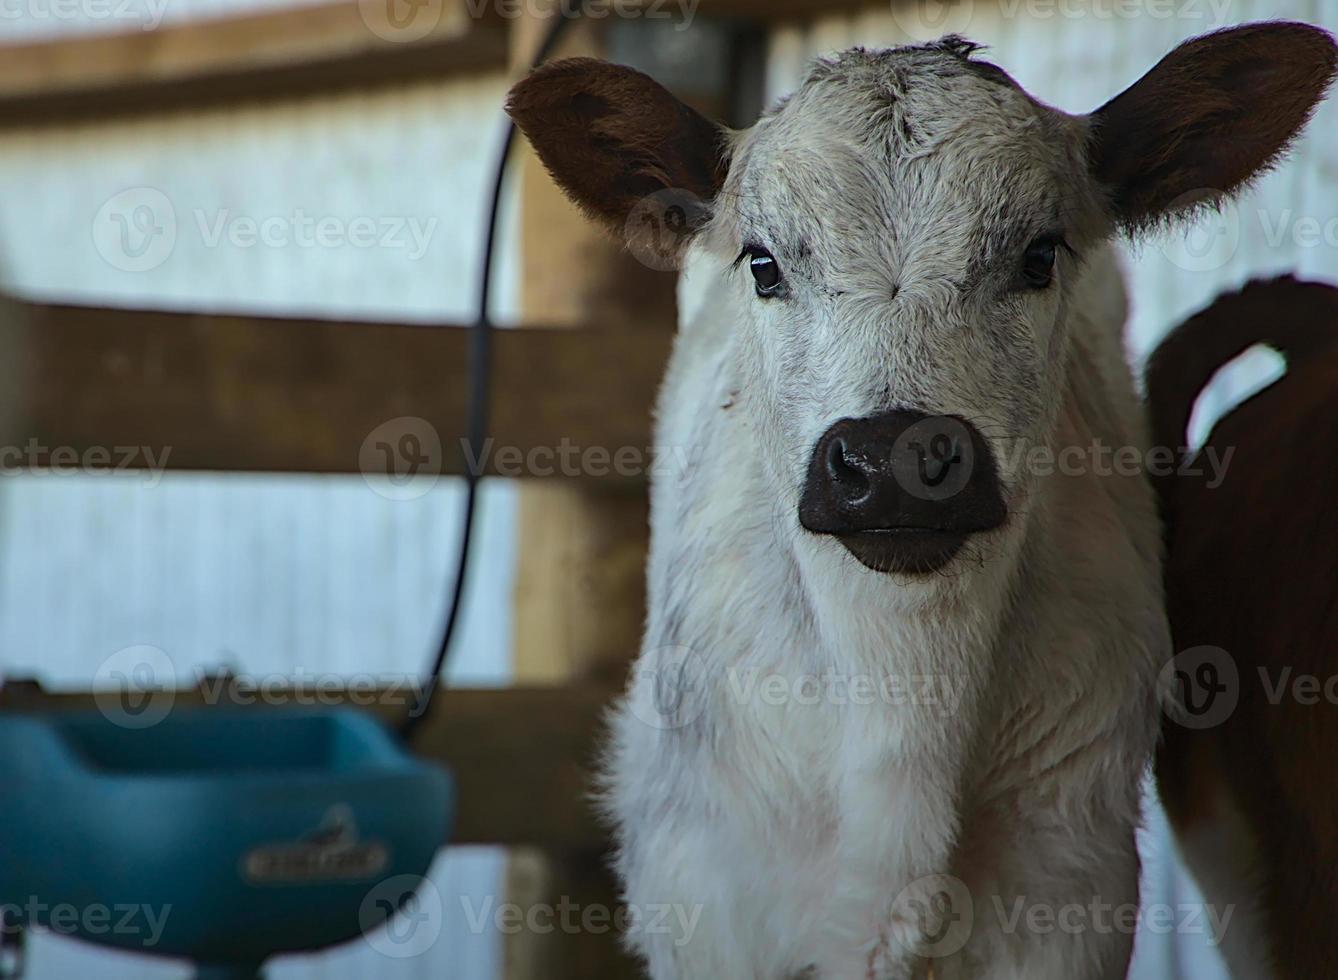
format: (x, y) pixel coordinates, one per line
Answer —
(902, 490)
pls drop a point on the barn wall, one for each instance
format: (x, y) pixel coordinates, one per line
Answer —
(292, 576)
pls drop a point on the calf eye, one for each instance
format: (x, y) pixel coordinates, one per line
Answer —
(1038, 262)
(765, 269)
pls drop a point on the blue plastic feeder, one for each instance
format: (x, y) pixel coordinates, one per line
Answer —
(234, 834)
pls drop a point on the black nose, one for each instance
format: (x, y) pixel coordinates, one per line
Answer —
(902, 490)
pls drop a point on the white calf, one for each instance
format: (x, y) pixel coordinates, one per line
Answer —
(898, 685)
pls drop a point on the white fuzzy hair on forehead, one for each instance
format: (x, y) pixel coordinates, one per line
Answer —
(900, 104)
(880, 153)
(886, 77)
(949, 55)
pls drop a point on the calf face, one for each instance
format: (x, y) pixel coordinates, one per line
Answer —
(899, 246)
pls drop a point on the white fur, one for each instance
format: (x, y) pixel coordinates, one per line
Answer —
(810, 834)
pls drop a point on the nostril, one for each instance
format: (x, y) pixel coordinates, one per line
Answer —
(851, 479)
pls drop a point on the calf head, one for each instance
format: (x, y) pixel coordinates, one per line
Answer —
(898, 247)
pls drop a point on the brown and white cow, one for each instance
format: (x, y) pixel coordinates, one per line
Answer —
(1245, 771)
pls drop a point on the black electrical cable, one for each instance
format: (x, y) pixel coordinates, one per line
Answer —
(480, 388)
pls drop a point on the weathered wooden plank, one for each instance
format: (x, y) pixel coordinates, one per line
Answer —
(314, 50)
(768, 11)
(521, 757)
(218, 392)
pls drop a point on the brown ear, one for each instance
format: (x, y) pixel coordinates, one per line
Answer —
(1212, 114)
(623, 148)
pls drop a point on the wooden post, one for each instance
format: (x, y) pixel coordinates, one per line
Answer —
(580, 593)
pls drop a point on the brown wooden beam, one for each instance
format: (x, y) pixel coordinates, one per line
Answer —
(310, 51)
(267, 394)
(521, 757)
(770, 11)
(315, 50)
